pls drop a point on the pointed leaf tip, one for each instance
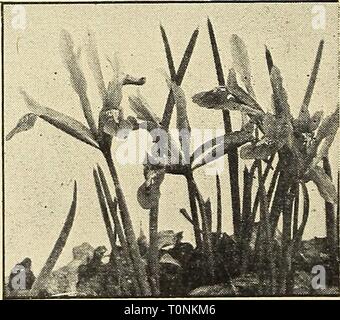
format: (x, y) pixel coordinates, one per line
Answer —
(75, 190)
(269, 60)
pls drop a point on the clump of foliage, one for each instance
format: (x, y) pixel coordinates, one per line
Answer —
(258, 259)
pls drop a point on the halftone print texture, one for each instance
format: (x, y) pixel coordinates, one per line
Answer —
(170, 150)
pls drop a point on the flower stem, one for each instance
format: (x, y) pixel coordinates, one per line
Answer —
(112, 205)
(193, 209)
(219, 207)
(331, 229)
(128, 228)
(232, 154)
(153, 250)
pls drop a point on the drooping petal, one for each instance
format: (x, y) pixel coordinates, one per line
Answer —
(325, 136)
(324, 184)
(148, 193)
(315, 121)
(217, 98)
(221, 99)
(25, 123)
(61, 121)
(328, 126)
(112, 126)
(262, 151)
(222, 145)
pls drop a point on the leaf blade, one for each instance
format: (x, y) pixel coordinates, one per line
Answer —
(168, 54)
(313, 76)
(58, 246)
(179, 78)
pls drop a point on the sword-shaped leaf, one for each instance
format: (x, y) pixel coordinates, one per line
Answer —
(168, 54)
(269, 60)
(304, 122)
(104, 209)
(312, 79)
(263, 151)
(179, 75)
(59, 245)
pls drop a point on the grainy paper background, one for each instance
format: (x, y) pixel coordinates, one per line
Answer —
(40, 165)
